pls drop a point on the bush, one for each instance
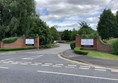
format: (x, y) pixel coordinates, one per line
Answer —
(72, 45)
(79, 51)
(46, 46)
(10, 40)
(115, 47)
(15, 49)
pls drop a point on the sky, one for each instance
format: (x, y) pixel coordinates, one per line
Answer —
(70, 12)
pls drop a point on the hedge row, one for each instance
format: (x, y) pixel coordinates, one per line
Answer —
(10, 39)
(15, 49)
(80, 51)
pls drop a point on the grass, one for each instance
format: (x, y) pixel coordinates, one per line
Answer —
(101, 55)
(17, 49)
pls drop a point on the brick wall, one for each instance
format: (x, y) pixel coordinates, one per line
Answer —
(103, 47)
(98, 45)
(19, 43)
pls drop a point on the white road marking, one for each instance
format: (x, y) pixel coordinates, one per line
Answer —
(23, 63)
(76, 75)
(69, 67)
(84, 67)
(45, 65)
(14, 63)
(48, 63)
(35, 64)
(72, 65)
(6, 62)
(56, 66)
(98, 69)
(4, 68)
(114, 70)
(59, 64)
(32, 57)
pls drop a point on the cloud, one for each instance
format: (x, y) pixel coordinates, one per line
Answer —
(67, 12)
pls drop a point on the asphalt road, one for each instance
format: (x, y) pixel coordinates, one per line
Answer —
(45, 66)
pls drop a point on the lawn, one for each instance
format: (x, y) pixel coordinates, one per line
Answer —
(101, 55)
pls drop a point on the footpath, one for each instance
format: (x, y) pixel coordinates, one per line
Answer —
(69, 54)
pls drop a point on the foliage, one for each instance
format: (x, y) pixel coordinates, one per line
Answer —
(15, 49)
(86, 31)
(106, 25)
(73, 34)
(46, 46)
(115, 47)
(110, 41)
(10, 39)
(42, 30)
(72, 45)
(79, 51)
(54, 33)
(18, 17)
(66, 35)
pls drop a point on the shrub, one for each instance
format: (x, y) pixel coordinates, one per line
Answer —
(15, 49)
(78, 51)
(10, 40)
(46, 46)
(115, 47)
(72, 45)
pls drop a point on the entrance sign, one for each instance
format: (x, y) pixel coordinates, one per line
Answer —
(87, 42)
(29, 41)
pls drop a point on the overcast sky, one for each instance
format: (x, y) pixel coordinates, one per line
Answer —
(67, 12)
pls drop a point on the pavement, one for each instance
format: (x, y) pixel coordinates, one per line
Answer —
(46, 66)
(69, 54)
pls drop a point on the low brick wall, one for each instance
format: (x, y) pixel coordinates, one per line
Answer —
(19, 43)
(103, 47)
(98, 45)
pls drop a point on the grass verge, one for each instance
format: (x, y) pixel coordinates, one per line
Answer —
(16, 49)
(101, 55)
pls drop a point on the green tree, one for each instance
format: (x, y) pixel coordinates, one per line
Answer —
(54, 33)
(106, 24)
(73, 34)
(116, 26)
(85, 30)
(39, 27)
(66, 35)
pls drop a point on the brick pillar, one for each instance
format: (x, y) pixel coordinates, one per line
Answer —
(36, 42)
(95, 43)
(23, 41)
(78, 41)
(1, 45)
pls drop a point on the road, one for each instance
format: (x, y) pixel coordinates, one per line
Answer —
(46, 66)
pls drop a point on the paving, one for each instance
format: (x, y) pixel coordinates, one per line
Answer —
(90, 60)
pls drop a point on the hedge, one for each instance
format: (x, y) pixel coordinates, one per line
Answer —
(10, 39)
(15, 49)
(72, 45)
(115, 47)
(79, 51)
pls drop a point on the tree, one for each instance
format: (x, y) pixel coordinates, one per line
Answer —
(73, 34)
(39, 27)
(106, 24)
(66, 35)
(54, 33)
(85, 30)
(115, 30)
